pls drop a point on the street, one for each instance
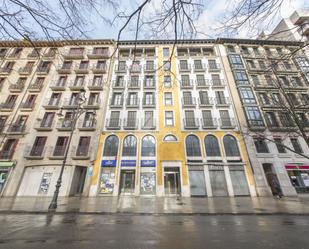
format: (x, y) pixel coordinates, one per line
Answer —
(124, 231)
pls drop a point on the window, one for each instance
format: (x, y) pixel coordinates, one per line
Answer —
(89, 120)
(200, 79)
(284, 81)
(149, 99)
(276, 99)
(54, 99)
(168, 98)
(83, 64)
(149, 81)
(183, 65)
(305, 98)
(111, 146)
(2, 122)
(132, 99)
(236, 61)
(231, 146)
(131, 121)
(94, 99)
(212, 146)
(166, 52)
(187, 98)
(61, 146)
(247, 96)
(271, 120)
(149, 121)
(149, 65)
(220, 98)
(121, 66)
(241, 78)
(67, 65)
(170, 138)
(38, 146)
(255, 80)
(279, 145)
(260, 145)
(231, 49)
(166, 65)
(193, 147)
(254, 116)
(129, 146)
(207, 118)
(204, 99)
(114, 120)
(198, 64)
(83, 146)
(264, 98)
(185, 80)
(117, 99)
(296, 145)
(148, 146)
(169, 118)
(293, 98)
(167, 81)
(8, 149)
(190, 119)
(269, 80)
(225, 118)
(286, 119)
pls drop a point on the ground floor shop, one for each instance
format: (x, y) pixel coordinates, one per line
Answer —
(299, 176)
(218, 180)
(41, 180)
(6, 168)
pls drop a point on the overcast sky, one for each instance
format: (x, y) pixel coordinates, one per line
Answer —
(208, 20)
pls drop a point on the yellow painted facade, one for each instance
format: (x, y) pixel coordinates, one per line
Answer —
(168, 151)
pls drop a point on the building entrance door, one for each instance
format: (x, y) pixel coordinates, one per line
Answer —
(127, 181)
(171, 181)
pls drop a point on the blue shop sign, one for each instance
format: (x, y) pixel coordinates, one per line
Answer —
(108, 163)
(129, 163)
(148, 163)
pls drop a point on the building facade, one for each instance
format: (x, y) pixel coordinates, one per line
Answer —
(171, 126)
(272, 97)
(37, 84)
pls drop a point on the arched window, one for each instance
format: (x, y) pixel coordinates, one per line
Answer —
(170, 138)
(111, 146)
(193, 147)
(129, 146)
(212, 146)
(230, 146)
(148, 146)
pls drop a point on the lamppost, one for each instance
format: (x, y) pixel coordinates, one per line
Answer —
(77, 112)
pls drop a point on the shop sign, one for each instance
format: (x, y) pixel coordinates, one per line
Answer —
(108, 163)
(148, 163)
(128, 163)
(216, 167)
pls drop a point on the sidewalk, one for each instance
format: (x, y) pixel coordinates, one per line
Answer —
(156, 205)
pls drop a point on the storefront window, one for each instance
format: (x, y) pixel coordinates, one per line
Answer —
(111, 146)
(107, 181)
(212, 146)
(193, 147)
(148, 146)
(129, 146)
(231, 146)
(148, 183)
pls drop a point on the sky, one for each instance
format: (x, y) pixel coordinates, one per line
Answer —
(208, 20)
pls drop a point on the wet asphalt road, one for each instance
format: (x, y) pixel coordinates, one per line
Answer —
(141, 232)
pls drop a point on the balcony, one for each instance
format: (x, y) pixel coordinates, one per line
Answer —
(214, 67)
(255, 67)
(65, 125)
(43, 125)
(80, 152)
(7, 106)
(184, 68)
(188, 102)
(92, 103)
(150, 68)
(58, 85)
(218, 83)
(130, 124)
(134, 84)
(135, 69)
(206, 102)
(132, 104)
(227, 123)
(199, 67)
(186, 84)
(202, 83)
(74, 55)
(25, 70)
(95, 85)
(27, 106)
(121, 69)
(191, 123)
(34, 153)
(113, 124)
(42, 70)
(87, 125)
(35, 87)
(16, 129)
(5, 70)
(148, 124)
(16, 88)
(77, 85)
(52, 104)
(64, 69)
(116, 103)
(222, 102)
(149, 103)
(118, 84)
(256, 125)
(50, 54)
(209, 123)
(284, 69)
(70, 103)
(99, 68)
(81, 68)
(98, 53)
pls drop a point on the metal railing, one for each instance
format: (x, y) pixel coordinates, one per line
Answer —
(80, 152)
(227, 123)
(58, 85)
(132, 103)
(16, 128)
(191, 123)
(52, 103)
(77, 84)
(7, 105)
(150, 67)
(148, 124)
(130, 124)
(202, 83)
(95, 84)
(114, 103)
(34, 152)
(209, 123)
(94, 53)
(218, 83)
(134, 84)
(186, 83)
(99, 68)
(43, 124)
(213, 67)
(73, 54)
(222, 101)
(188, 101)
(25, 70)
(118, 84)
(121, 69)
(197, 67)
(93, 103)
(206, 101)
(82, 68)
(135, 68)
(184, 68)
(18, 87)
(113, 123)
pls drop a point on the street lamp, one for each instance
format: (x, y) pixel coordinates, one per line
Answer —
(77, 112)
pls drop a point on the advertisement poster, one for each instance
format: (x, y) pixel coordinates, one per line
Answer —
(107, 182)
(3, 176)
(148, 183)
(44, 186)
(305, 177)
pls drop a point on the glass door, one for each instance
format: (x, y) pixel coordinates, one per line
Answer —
(127, 182)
